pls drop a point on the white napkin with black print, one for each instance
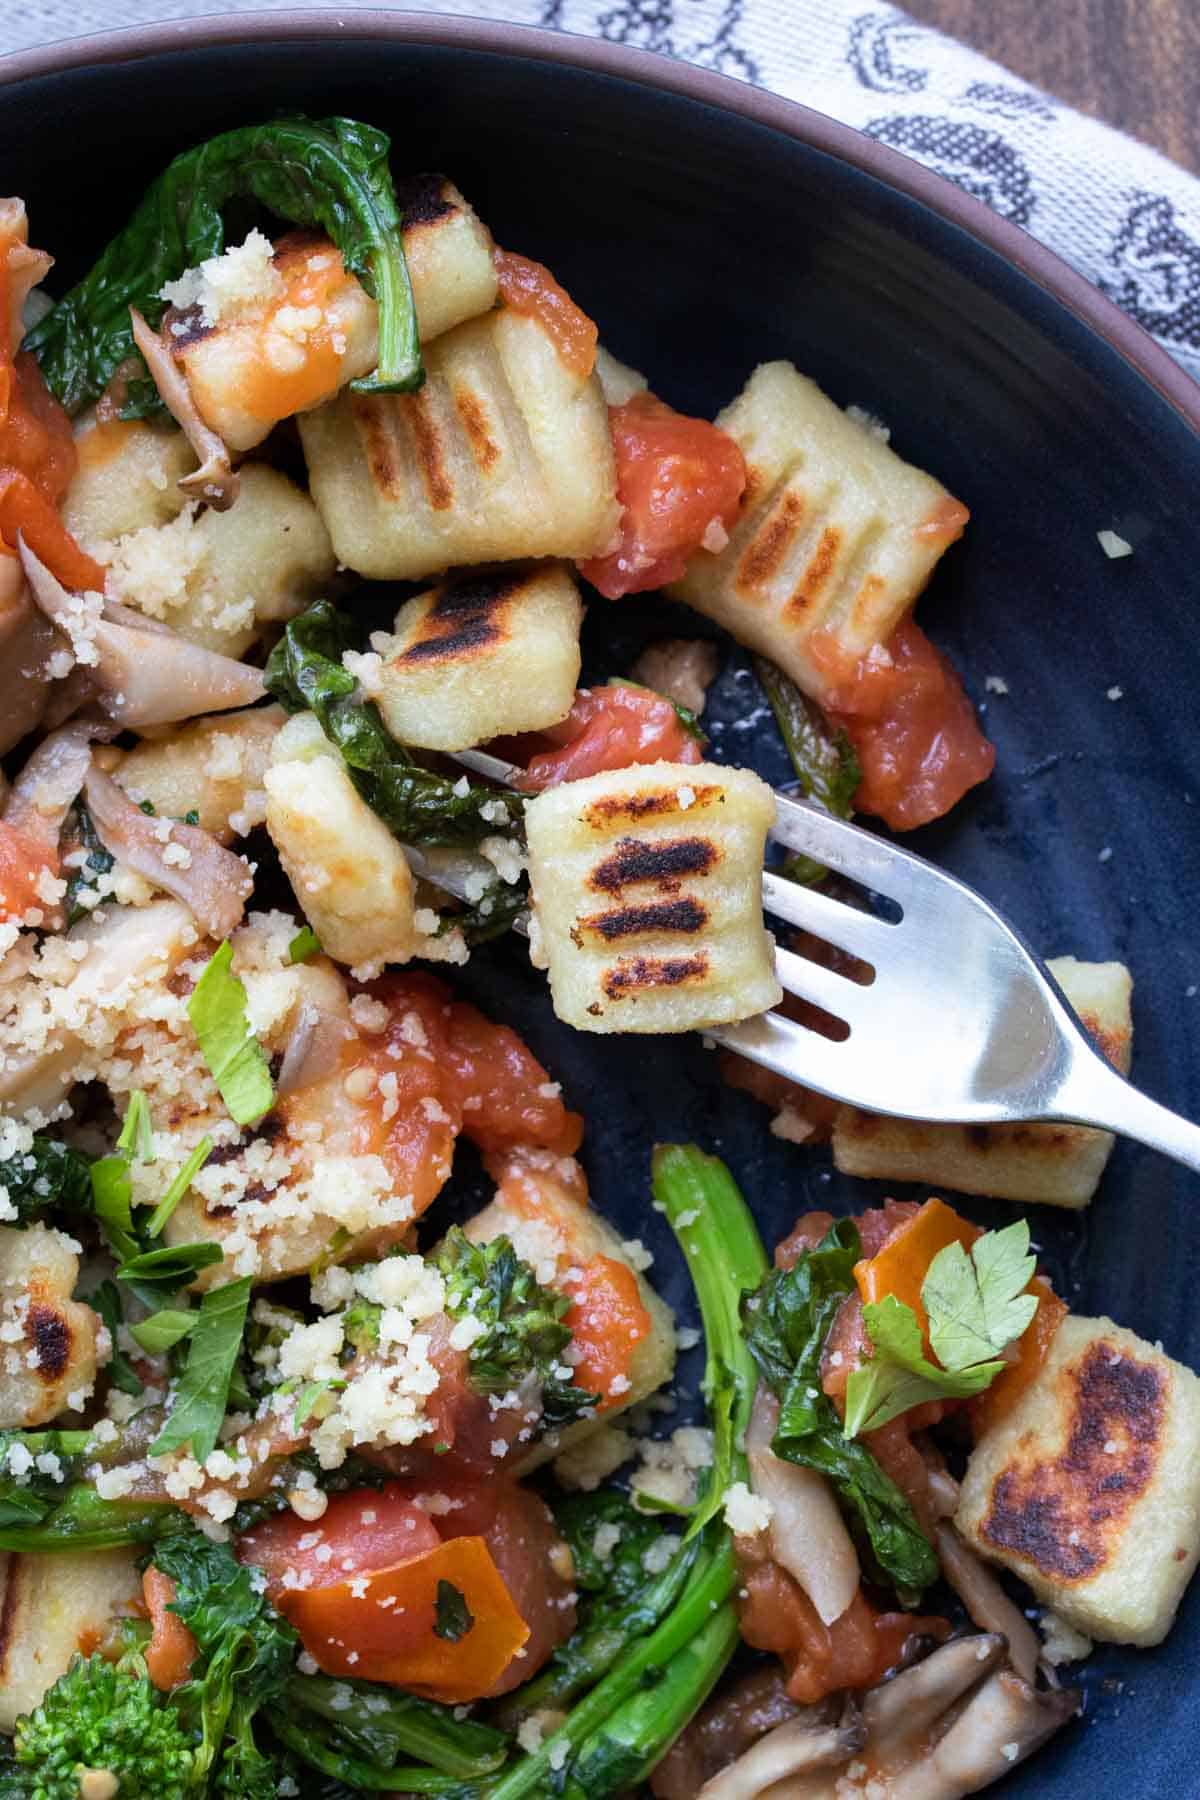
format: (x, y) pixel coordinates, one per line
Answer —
(1126, 217)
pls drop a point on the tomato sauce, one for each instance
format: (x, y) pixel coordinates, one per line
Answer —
(679, 482)
(912, 726)
(607, 1322)
(612, 727)
(529, 288)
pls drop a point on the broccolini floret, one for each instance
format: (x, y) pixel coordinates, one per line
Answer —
(106, 1717)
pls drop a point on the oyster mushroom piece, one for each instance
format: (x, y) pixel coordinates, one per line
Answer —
(985, 1600)
(26, 643)
(214, 481)
(818, 1738)
(1005, 1721)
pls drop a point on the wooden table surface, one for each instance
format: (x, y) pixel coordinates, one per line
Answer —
(1132, 63)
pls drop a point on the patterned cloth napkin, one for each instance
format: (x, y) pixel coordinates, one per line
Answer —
(1126, 217)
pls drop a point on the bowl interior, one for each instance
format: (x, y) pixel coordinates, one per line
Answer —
(705, 243)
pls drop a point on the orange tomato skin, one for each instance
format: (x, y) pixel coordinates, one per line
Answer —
(360, 1530)
(607, 1321)
(676, 477)
(901, 1264)
(24, 508)
(612, 727)
(528, 287)
(489, 1065)
(172, 1648)
(912, 726)
(24, 860)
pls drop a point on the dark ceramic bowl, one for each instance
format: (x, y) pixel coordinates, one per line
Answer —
(709, 227)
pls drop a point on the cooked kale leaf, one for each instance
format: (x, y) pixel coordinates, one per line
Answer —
(48, 1174)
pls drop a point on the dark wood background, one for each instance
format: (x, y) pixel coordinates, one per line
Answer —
(1133, 63)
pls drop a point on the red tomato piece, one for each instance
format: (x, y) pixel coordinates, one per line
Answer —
(361, 1530)
(528, 287)
(23, 863)
(612, 727)
(912, 726)
(24, 508)
(172, 1648)
(488, 1066)
(607, 1322)
(679, 480)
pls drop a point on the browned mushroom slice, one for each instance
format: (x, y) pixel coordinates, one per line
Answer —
(146, 673)
(1005, 1721)
(214, 481)
(26, 643)
(817, 1739)
(46, 789)
(183, 860)
(900, 1713)
(985, 1600)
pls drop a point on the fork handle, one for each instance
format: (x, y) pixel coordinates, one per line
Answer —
(1094, 1094)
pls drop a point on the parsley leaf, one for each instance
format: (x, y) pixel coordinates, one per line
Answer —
(157, 1275)
(108, 1303)
(977, 1304)
(306, 943)
(164, 1329)
(217, 1010)
(47, 1174)
(179, 1187)
(203, 1388)
(454, 1616)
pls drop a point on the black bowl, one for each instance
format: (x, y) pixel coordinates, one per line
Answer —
(709, 227)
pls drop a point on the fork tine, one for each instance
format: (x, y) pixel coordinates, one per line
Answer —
(861, 933)
(825, 988)
(790, 1049)
(868, 860)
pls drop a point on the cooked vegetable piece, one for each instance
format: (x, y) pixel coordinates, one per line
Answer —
(528, 288)
(101, 1716)
(484, 654)
(679, 481)
(822, 755)
(504, 454)
(787, 1322)
(305, 672)
(202, 1391)
(647, 885)
(1089, 1488)
(614, 727)
(41, 1174)
(331, 173)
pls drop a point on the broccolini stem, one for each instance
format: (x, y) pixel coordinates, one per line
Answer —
(355, 1771)
(458, 1747)
(725, 1258)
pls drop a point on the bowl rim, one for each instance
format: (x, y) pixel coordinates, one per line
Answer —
(1033, 259)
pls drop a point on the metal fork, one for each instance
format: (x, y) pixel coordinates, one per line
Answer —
(959, 1021)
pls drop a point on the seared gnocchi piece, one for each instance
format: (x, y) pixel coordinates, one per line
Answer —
(504, 453)
(212, 767)
(1056, 1165)
(48, 1341)
(1089, 1489)
(647, 885)
(836, 538)
(541, 1207)
(54, 1607)
(218, 577)
(349, 874)
(301, 326)
(484, 654)
(127, 479)
(619, 381)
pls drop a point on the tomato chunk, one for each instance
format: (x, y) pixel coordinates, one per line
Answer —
(900, 1266)
(25, 861)
(528, 287)
(607, 1322)
(511, 1096)
(612, 727)
(172, 1648)
(360, 1530)
(679, 481)
(25, 509)
(912, 726)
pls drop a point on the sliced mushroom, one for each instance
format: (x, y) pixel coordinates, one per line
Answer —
(808, 1536)
(215, 480)
(24, 268)
(146, 673)
(901, 1712)
(211, 881)
(49, 784)
(985, 1600)
(26, 643)
(814, 1740)
(314, 1048)
(1004, 1722)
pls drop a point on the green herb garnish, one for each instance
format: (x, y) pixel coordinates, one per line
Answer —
(454, 1617)
(217, 1010)
(203, 1388)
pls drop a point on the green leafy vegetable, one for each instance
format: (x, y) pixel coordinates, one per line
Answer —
(304, 673)
(822, 756)
(56, 1507)
(244, 1661)
(47, 1174)
(332, 174)
(203, 1388)
(157, 1275)
(306, 943)
(98, 861)
(101, 1715)
(137, 1130)
(217, 1010)
(164, 1329)
(384, 1725)
(179, 1187)
(453, 1618)
(524, 1333)
(108, 1303)
(976, 1306)
(112, 1185)
(787, 1322)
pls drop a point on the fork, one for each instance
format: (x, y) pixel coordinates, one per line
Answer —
(955, 1019)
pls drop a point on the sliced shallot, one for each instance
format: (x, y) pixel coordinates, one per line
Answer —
(807, 1534)
(214, 481)
(210, 880)
(314, 1048)
(49, 784)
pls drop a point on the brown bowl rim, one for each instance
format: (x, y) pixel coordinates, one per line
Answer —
(648, 68)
